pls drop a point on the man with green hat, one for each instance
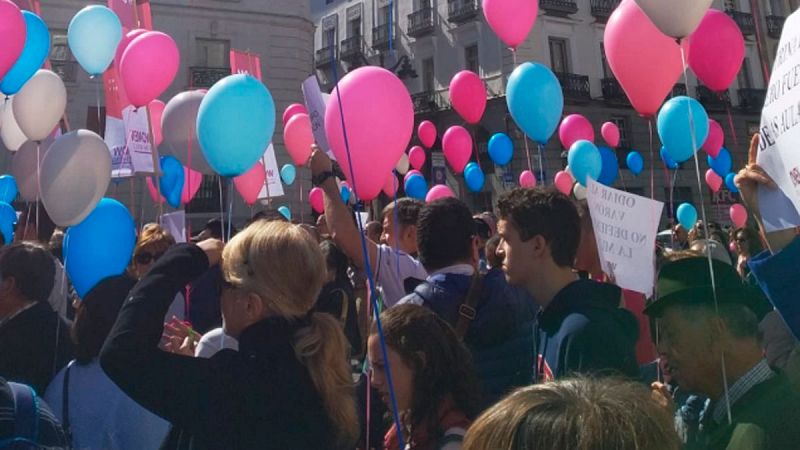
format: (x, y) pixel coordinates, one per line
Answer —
(711, 340)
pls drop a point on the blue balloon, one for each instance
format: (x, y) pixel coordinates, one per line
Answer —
(8, 217)
(474, 178)
(93, 36)
(235, 123)
(585, 161)
(288, 174)
(671, 165)
(344, 192)
(285, 212)
(8, 188)
(170, 183)
(687, 216)
(37, 47)
(730, 183)
(635, 162)
(535, 100)
(674, 127)
(99, 247)
(501, 149)
(610, 166)
(416, 187)
(722, 164)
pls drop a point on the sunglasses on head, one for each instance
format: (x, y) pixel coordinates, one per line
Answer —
(147, 257)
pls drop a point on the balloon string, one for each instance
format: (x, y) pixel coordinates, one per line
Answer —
(671, 186)
(541, 165)
(733, 129)
(652, 161)
(230, 206)
(528, 154)
(97, 91)
(475, 148)
(38, 175)
(302, 207)
(221, 209)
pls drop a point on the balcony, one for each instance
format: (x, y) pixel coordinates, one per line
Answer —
(461, 11)
(678, 89)
(380, 37)
(67, 70)
(613, 93)
(325, 57)
(744, 20)
(712, 101)
(561, 8)
(425, 102)
(775, 26)
(602, 9)
(575, 87)
(752, 100)
(420, 23)
(205, 77)
(351, 49)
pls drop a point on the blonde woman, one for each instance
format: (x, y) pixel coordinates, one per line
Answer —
(288, 386)
(151, 245)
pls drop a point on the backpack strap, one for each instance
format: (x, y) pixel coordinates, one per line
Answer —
(26, 412)
(467, 311)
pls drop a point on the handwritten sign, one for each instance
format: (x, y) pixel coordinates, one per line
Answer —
(315, 104)
(625, 227)
(273, 175)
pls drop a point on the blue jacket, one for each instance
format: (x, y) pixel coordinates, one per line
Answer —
(501, 335)
(777, 275)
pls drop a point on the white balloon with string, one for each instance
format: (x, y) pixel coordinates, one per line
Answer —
(675, 18)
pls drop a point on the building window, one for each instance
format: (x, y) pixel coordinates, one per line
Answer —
(354, 27)
(745, 80)
(61, 57)
(559, 55)
(776, 6)
(213, 53)
(384, 15)
(623, 124)
(607, 73)
(471, 58)
(428, 75)
(329, 38)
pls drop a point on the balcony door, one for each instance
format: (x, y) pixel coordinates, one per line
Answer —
(213, 53)
(559, 55)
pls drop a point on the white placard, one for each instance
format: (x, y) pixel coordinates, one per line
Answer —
(625, 227)
(175, 224)
(137, 139)
(779, 148)
(115, 140)
(273, 175)
(316, 105)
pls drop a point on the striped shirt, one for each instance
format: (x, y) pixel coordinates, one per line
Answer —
(760, 373)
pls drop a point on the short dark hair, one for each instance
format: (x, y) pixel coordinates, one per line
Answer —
(444, 233)
(407, 213)
(32, 267)
(546, 212)
(97, 314)
(335, 259)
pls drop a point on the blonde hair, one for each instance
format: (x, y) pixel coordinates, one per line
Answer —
(152, 238)
(576, 414)
(284, 265)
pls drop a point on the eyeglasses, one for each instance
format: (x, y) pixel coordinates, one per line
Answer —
(144, 258)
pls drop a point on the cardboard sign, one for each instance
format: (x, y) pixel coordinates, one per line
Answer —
(137, 138)
(316, 105)
(273, 180)
(625, 227)
(175, 224)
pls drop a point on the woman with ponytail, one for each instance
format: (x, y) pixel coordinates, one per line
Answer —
(289, 385)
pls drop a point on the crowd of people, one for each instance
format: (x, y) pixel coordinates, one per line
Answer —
(497, 331)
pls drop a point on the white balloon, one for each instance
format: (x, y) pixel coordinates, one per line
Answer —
(178, 124)
(579, 192)
(25, 169)
(675, 18)
(40, 105)
(74, 177)
(402, 165)
(12, 136)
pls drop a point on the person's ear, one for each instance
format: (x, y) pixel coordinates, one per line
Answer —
(539, 247)
(476, 252)
(254, 307)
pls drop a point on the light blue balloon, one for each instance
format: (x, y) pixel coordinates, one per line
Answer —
(687, 216)
(722, 164)
(501, 149)
(610, 167)
(344, 192)
(671, 165)
(285, 212)
(170, 183)
(8, 217)
(93, 36)
(474, 177)
(729, 181)
(37, 47)
(416, 187)
(235, 123)
(674, 127)
(99, 247)
(288, 174)
(8, 188)
(635, 162)
(535, 100)
(585, 161)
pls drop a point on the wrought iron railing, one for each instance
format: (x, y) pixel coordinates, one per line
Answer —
(351, 48)
(744, 20)
(420, 22)
(459, 11)
(205, 77)
(775, 26)
(602, 9)
(712, 101)
(380, 36)
(559, 7)
(752, 100)
(575, 87)
(325, 56)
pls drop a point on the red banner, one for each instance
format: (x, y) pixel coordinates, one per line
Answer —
(29, 5)
(132, 17)
(245, 62)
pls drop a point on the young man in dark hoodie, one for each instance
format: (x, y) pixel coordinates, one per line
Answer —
(580, 327)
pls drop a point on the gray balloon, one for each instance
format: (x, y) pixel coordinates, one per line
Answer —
(25, 169)
(74, 176)
(178, 128)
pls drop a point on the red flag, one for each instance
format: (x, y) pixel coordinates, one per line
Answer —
(246, 62)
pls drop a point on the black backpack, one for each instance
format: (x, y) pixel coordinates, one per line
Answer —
(26, 419)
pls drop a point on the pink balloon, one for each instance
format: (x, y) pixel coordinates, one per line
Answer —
(298, 138)
(416, 157)
(738, 215)
(574, 128)
(427, 133)
(512, 20)
(564, 182)
(468, 96)
(646, 62)
(249, 184)
(123, 44)
(713, 180)
(716, 50)
(380, 121)
(610, 133)
(156, 109)
(13, 31)
(391, 185)
(457, 146)
(317, 201)
(153, 191)
(149, 66)
(291, 110)
(412, 172)
(191, 184)
(716, 137)
(439, 192)
(527, 179)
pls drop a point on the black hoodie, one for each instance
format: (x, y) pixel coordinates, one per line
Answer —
(583, 330)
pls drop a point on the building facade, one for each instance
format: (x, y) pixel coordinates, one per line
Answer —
(426, 42)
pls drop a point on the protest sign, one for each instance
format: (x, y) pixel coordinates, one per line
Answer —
(315, 104)
(246, 63)
(625, 227)
(175, 224)
(137, 138)
(273, 180)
